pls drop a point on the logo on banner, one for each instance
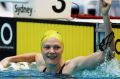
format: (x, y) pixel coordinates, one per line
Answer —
(6, 28)
(6, 36)
(116, 43)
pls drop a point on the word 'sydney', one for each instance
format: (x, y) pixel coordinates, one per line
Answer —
(50, 9)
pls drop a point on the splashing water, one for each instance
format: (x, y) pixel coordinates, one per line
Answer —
(106, 69)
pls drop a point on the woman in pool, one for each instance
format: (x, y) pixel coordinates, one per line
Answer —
(50, 60)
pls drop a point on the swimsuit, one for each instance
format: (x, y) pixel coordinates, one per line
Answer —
(60, 71)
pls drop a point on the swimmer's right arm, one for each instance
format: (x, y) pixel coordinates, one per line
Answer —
(31, 57)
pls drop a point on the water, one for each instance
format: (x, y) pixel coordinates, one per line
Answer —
(107, 70)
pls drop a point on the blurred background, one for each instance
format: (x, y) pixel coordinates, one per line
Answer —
(86, 11)
(90, 7)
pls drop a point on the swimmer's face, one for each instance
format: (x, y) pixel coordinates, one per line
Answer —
(52, 51)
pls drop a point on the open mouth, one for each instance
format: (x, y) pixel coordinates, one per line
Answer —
(52, 55)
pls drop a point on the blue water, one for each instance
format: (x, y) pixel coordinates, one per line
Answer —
(107, 70)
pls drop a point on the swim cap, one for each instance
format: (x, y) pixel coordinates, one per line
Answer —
(51, 33)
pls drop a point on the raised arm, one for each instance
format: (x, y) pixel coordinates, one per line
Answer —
(31, 57)
(95, 59)
(105, 6)
(98, 57)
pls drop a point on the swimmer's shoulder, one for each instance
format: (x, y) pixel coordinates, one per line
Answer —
(40, 62)
(38, 56)
(71, 65)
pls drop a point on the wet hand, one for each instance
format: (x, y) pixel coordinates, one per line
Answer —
(105, 6)
(5, 62)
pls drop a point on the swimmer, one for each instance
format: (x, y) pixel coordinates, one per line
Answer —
(52, 46)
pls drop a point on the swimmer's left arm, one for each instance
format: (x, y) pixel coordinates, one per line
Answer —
(105, 6)
(95, 59)
(87, 62)
(92, 61)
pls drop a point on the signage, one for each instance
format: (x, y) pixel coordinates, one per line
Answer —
(7, 38)
(117, 44)
(43, 9)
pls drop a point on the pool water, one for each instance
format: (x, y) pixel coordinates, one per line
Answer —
(107, 70)
(32, 74)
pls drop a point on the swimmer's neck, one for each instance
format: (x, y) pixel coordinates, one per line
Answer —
(54, 68)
